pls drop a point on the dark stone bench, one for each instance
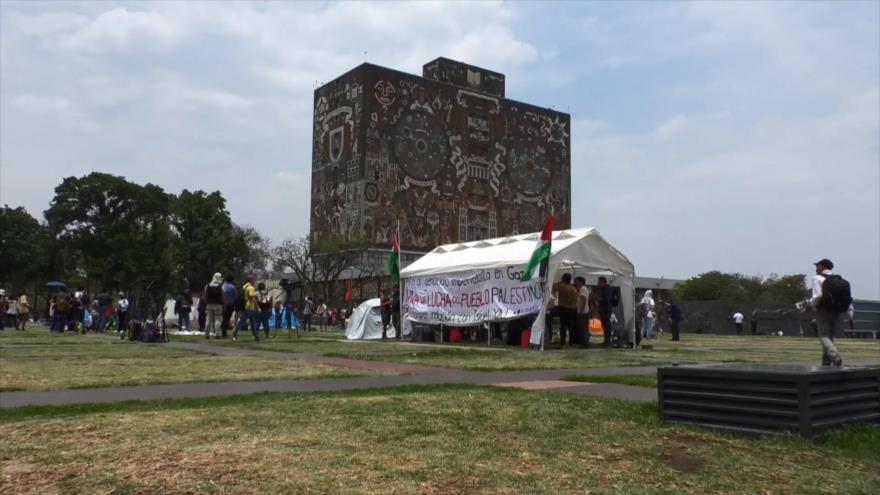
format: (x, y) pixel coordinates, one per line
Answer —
(769, 398)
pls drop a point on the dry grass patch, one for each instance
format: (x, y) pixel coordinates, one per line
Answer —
(437, 440)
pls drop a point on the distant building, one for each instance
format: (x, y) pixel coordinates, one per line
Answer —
(446, 155)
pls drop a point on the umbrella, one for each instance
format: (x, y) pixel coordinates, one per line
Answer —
(56, 284)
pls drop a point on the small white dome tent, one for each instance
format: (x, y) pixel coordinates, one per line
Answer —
(366, 322)
(577, 251)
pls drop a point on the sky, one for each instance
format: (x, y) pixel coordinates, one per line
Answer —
(742, 137)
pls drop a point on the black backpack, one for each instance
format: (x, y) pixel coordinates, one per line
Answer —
(836, 295)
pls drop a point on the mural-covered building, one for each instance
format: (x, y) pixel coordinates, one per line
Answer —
(446, 155)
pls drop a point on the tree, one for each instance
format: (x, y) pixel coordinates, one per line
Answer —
(735, 287)
(207, 240)
(785, 289)
(319, 263)
(120, 232)
(24, 248)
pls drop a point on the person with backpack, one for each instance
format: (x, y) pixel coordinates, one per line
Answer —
(647, 311)
(831, 297)
(183, 308)
(215, 306)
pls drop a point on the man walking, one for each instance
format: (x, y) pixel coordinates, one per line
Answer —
(830, 299)
(308, 307)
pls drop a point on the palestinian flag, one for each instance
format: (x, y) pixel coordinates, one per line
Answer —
(394, 258)
(541, 254)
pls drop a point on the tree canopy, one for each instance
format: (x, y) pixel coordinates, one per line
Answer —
(735, 287)
(24, 247)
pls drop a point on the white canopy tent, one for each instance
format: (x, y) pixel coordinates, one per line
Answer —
(366, 322)
(577, 251)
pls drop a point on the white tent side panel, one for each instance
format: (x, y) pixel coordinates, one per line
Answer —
(366, 322)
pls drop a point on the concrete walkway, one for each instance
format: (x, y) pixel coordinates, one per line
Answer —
(409, 374)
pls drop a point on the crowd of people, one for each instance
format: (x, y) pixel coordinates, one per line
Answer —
(14, 311)
(75, 312)
(224, 308)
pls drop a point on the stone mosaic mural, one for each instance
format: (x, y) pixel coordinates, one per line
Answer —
(450, 162)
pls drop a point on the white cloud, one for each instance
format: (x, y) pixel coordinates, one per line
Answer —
(672, 127)
(56, 111)
(120, 28)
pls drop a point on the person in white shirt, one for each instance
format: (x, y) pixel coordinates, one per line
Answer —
(829, 323)
(122, 314)
(583, 310)
(738, 321)
(647, 304)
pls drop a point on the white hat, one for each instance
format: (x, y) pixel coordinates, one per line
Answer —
(2, 292)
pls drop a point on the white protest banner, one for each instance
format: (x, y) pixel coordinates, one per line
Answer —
(472, 297)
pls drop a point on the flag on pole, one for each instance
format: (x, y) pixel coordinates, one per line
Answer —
(348, 292)
(394, 258)
(541, 254)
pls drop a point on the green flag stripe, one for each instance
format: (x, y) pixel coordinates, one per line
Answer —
(394, 266)
(538, 255)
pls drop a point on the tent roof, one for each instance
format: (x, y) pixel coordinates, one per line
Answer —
(575, 248)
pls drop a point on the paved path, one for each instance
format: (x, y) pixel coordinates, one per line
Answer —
(409, 374)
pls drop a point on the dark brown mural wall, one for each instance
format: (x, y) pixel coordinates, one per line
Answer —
(450, 163)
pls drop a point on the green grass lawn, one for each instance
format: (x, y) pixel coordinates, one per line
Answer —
(38, 360)
(479, 356)
(434, 440)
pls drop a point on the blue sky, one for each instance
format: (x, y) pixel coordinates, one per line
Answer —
(736, 136)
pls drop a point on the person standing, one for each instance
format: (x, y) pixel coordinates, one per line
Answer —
(583, 311)
(675, 318)
(395, 313)
(4, 305)
(122, 305)
(279, 311)
(606, 303)
(230, 294)
(202, 312)
(251, 307)
(385, 307)
(308, 308)
(183, 308)
(11, 313)
(753, 324)
(321, 313)
(290, 313)
(264, 303)
(567, 296)
(738, 321)
(24, 311)
(830, 299)
(104, 302)
(215, 306)
(647, 308)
